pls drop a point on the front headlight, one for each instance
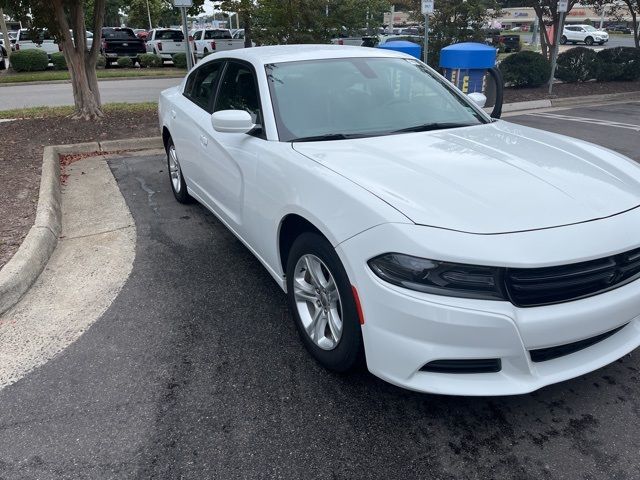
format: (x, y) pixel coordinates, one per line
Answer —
(440, 278)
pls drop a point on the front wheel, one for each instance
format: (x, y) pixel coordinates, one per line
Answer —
(588, 41)
(178, 185)
(563, 40)
(322, 303)
(601, 43)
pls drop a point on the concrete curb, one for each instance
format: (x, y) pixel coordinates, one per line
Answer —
(22, 270)
(570, 101)
(108, 79)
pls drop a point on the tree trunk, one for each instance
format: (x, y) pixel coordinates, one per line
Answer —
(81, 63)
(5, 35)
(634, 23)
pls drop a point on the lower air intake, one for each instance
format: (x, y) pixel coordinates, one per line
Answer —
(483, 365)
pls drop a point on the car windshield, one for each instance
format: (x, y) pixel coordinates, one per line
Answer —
(169, 35)
(356, 97)
(589, 28)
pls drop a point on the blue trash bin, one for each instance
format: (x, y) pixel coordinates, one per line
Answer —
(403, 46)
(466, 65)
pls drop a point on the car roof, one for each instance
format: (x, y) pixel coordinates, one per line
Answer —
(293, 53)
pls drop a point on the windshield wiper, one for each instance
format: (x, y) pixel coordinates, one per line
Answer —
(433, 126)
(329, 136)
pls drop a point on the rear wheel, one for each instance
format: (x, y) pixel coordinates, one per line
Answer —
(563, 40)
(178, 184)
(321, 301)
(588, 41)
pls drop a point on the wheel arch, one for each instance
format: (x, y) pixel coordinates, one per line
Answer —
(166, 135)
(291, 227)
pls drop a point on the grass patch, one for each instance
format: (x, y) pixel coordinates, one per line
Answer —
(44, 112)
(50, 75)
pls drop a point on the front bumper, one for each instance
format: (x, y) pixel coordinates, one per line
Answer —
(404, 330)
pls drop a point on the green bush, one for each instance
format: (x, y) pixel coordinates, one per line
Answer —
(101, 62)
(619, 63)
(179, 60)
(31, 60)
(58, 60)
(150, 60)
(125, 62)
(578, 64)
(525, 69)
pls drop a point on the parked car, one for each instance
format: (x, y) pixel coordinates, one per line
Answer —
(211, 40)
(37, 39)
(619, 28)
(121, 42)
(141, 33)
(352, 41)
(457, 254)
(165, 42)
(504, 41)
(583, 34)
(12, 42)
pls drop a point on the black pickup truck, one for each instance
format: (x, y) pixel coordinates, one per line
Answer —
(121, 42)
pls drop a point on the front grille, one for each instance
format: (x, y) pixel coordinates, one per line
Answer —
(544, 354)
(481, 365)
(529, 287)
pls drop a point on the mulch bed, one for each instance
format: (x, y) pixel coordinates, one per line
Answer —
(21, 146)
(563, 90)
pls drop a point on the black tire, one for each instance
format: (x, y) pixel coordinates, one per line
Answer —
(348, 354)
(180, 193)
(601, 43)
(563, 40)
(588, 41)
(2, 65)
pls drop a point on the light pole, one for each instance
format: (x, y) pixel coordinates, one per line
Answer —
(149, 16)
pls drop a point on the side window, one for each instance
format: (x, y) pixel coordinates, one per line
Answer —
(201, 84)
(239, 91)
(197, 35)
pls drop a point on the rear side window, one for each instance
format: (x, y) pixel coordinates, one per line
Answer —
(169, 35)
(201, 84)
(197, 35)
(216, 34)
(118, 34)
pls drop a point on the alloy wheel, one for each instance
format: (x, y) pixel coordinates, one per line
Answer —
(174, 169)
(318, 302)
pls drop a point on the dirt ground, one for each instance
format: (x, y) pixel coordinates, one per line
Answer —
(562, 90)
(21, 146)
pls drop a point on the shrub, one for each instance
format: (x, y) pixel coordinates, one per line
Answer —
(58, 60)
(101, 62)
(31, 60)
(578, 64)
(150, 60)
(125, 62)
(619, 63)
(179, 60)
(525, 69)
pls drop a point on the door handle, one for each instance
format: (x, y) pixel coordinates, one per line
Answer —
(173, 114)
(203, 140)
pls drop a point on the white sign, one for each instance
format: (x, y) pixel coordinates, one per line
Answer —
(563, 5)
(183, 3)
(427, 7)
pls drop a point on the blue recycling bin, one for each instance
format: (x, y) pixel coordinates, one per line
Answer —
(403, 46)
(466, 65)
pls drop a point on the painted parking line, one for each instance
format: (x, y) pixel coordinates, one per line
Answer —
(592, 121)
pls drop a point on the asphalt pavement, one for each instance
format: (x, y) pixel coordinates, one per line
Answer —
(59, 94)
(196, 372)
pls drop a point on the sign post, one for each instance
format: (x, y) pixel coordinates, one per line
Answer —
(562, 9)
(427, 9)
(183, 5)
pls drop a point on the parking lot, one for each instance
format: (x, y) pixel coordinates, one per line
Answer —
(196, 371)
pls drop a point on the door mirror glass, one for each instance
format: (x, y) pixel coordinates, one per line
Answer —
(478, 98)
(232, 121)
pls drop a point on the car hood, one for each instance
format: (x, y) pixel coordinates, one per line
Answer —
(486, 179)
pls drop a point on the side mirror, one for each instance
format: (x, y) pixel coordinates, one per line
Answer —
(478, 98)
(232, 121)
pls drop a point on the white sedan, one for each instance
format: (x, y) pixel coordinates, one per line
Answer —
(452, 252)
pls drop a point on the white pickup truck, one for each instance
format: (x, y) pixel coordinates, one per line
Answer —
(211, 40)
(165, 42)
(42, 40)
